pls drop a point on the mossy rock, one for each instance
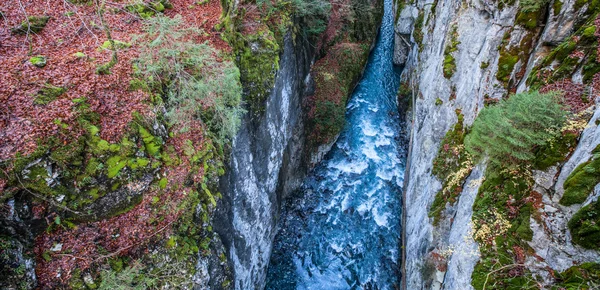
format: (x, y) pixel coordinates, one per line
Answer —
(585, 276)
(582, 181)
(147, 10)
(118, 45)
(585, 226)
(38, 61)
(555, 151)
(33, 24)
(48, 94)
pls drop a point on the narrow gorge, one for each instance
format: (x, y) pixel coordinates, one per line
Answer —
(304, 144)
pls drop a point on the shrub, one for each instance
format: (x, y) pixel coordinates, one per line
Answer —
(190, 77)
(509, 132)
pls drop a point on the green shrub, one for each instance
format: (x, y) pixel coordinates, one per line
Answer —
(194, 84)
(509, 132)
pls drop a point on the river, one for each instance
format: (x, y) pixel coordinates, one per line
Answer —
(342, 229)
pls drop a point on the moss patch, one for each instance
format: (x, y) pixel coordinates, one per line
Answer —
(38, 61)
(449, 61)
(582, 180)
(33, 24)
(452, 166)
(585, 226)
(584, 276)
(48, 94)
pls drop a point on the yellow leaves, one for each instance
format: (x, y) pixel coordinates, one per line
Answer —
(496, 225)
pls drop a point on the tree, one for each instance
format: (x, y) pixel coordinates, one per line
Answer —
(508, 132)
(190, 77)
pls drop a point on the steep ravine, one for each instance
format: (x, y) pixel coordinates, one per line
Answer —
(271, 153)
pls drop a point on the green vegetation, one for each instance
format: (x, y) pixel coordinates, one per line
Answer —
(585, 276)
(452, 165)
(89, 166)
(418, 29)
(146, 10)
(555, 150)
(449, 61)
(507, 133)
(38, 61)
(585, 226)
(582, 180)
(501, 216)
(48, 94)
(193, 84)
(335, 77)
(33, 24)
(116, 44)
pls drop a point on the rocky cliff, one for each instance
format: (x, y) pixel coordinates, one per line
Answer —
(460, 57)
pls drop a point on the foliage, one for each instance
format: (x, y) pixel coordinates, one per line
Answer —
(585, 276)
(194, 84)
(129, 278)
(509, 132)
(585, 226)
(452, 165)
(418, 29)
(314, 12)
(501, 216)
(449, 61)
(582, 180)
(335, 78)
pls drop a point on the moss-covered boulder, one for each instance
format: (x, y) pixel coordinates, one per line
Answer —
(38, 61)
(48, 94)
(585, 226)
(33, 24)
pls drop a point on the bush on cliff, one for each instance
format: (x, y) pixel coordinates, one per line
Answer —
(192, 79)
(509, 132)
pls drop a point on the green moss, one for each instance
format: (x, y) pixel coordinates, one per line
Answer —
(38, 61)
(163, 183)
(451, 158)
(152, 144)
(555, 151)
(418, 29)
(33, 24)
(501, 192)
(528, 20)
(484, 65)
(147, 10)
(48, 94)
(438, 102)
(582, 180)
(506, 63)
(114, 165)
(449, 61)
(584, 276)
(585, 226)
(118, 45)
(557, 6)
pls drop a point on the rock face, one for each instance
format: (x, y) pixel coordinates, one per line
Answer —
(484, 33)
(247, 216)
